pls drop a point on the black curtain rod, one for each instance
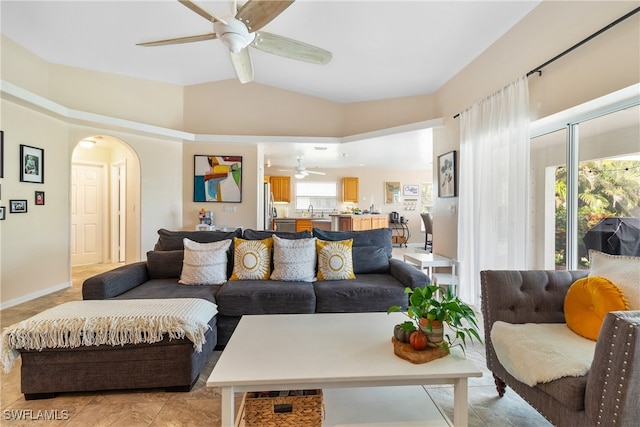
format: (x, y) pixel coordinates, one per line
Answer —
(539, 68)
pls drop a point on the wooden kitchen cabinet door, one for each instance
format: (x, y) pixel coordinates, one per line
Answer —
(350, 190)
(303, 225)
(281, 188)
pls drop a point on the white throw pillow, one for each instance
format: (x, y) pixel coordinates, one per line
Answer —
(204, 263)
(623, 271)
(294, 260)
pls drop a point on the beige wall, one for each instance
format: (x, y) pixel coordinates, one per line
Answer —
(42, 236)
(231, 108)
(603, 65)
(244, 214)
(35, 245)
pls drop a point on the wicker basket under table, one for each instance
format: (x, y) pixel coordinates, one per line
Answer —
(284, 411)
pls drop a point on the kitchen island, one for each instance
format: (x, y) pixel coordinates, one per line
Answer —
(334, 222)
(357, 222)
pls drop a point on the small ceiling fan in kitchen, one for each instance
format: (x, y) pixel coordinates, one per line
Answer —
(301, 171)
(242, 28)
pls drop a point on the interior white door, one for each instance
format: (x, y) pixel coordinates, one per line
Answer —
(86, 214)
(118, 210)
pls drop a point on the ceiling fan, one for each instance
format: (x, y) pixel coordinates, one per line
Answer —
(301, 171)
(240, 30)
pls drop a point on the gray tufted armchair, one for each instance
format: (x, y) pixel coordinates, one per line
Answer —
(609, 394)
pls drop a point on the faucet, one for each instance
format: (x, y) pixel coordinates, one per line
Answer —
(310, 209)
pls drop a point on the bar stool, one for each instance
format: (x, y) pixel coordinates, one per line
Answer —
(427, 219)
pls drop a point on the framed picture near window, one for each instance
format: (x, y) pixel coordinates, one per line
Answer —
(17, 206)
(31, 164)
(217, 178)
(40, 198)
(447, 175)
(391, 192)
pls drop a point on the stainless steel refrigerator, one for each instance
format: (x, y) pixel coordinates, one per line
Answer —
(270, 212)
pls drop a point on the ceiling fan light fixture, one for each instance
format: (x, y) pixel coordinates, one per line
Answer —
(300, 175)
(88, 143)
(234, 35)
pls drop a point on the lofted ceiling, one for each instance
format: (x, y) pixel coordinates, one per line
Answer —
(381, 49)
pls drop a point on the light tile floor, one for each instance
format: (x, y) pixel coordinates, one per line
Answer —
(201, 406)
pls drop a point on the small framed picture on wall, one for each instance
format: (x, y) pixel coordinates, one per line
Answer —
(31, 164)
(39, 198)
(2, 213)
(17, 206)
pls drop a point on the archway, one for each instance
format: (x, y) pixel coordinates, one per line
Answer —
(105, 200)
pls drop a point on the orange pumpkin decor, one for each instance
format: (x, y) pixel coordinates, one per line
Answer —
(418, 341)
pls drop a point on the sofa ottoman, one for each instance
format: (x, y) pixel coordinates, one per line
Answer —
(110, 345)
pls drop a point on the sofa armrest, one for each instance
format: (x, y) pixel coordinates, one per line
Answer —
(613, 385)
(408, 274)
(115, 282)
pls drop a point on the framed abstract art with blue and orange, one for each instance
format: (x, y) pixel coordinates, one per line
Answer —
(217, 178)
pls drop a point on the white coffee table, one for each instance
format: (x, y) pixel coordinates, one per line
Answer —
(341, 350)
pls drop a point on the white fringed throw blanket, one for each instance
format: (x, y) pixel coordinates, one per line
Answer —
(541, 352)
(112, 322)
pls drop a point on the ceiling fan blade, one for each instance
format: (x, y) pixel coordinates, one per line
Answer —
(179, 40)
(314, 172)
(290, 48)
(242, 64)
(258, 13)
(197, 9)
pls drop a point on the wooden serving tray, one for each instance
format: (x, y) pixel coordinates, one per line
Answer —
(406, 352)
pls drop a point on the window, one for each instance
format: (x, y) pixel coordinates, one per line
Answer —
(323, 196)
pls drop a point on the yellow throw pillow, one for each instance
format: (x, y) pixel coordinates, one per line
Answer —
(335, 261)
(587, 302)
(252, 259)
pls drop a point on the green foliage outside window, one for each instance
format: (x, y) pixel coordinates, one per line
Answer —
(605, 188)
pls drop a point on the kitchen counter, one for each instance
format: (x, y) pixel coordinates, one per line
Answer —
(357, 215)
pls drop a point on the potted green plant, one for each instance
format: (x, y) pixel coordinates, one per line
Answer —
(429, 314)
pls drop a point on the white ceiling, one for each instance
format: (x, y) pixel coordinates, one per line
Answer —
(381, 49)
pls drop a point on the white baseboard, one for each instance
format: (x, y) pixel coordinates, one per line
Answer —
(41, 293)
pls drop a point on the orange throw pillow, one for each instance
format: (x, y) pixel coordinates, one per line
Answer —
(588, 301)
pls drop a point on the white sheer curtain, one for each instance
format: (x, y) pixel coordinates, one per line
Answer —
(494, 186)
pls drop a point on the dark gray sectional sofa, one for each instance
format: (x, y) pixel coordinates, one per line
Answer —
(379, 283)
(174, 364)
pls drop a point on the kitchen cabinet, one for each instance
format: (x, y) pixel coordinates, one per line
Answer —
(350, 190)
(344, 223)
(281, 188)
(303, 225)
(362, 222)
(379, 221)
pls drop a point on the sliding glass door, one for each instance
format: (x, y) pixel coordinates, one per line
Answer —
(586, 189)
